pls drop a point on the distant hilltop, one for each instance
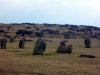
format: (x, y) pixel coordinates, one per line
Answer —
(49, 30)
(46, 24)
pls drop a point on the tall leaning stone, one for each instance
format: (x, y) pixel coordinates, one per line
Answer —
(39, 47)
(87, 43)
(3, 43)
(21, 43)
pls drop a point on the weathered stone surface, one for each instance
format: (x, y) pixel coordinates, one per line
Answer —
(64, 48)
(87, 42)
(68, 49)
(60, 49)
(3, 43)
(21, 43)
(39, 47)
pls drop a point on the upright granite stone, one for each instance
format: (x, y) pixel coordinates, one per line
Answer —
(21, 43)
(68, 49)
(11, 40)
(39, 47)
(0, 43)
(3, 43)
(64, 48)
(87, 43)
(61, 48)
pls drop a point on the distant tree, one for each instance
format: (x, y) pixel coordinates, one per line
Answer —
(89, 29)
(96, 28)
(24, 32)
(37, 29)
(28, 27)
(2, 31)
(39, 34)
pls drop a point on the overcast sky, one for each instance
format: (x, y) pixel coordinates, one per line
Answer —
(78, 12)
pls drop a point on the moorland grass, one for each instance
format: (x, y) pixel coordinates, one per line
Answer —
(13, 61)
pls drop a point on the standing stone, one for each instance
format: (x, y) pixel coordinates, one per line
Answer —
(0, 43)
(3, 43)
(11, 40)
(87, 42)
(61, 48)
(64, 48)
(39, 47)
(21, 43)
(68, 49)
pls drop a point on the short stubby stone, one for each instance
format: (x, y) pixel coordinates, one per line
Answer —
(21, 43)
(64, 48)
(87, 43)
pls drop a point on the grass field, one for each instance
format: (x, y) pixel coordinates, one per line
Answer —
(15, 61)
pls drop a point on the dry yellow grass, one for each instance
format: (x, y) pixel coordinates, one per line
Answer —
(14, 61)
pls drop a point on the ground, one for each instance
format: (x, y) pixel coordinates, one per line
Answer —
(15, 61)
